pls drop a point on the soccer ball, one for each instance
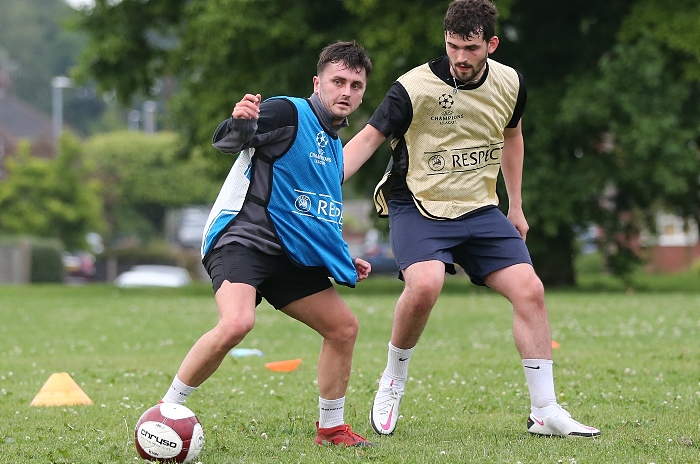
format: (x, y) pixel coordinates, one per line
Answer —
(169, 432)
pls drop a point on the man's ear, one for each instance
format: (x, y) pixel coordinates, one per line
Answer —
(493, 44)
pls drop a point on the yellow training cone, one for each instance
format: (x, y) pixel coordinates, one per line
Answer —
(60, 390)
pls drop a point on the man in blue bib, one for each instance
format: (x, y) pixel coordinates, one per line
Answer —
(275, 230)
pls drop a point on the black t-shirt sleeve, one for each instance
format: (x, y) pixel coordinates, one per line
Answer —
(519, 104)
(276, 126)
(394, 114)
(276, 113)
(277, 119)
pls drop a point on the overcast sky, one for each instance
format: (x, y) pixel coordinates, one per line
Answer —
(79, 3)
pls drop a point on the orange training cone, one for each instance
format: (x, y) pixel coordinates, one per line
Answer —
(555, 344)
(283, 366)
(60, 390)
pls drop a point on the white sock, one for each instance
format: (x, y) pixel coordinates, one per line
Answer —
(396, 371)
(332, 412)
(540, 382)
(178, 392)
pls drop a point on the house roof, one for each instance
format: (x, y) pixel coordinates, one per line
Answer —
(21, 120)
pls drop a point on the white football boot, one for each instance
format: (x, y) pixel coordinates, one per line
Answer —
(559, 423)
(385, 409)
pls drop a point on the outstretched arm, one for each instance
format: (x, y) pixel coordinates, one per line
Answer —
(358, 150)
(234, 133)
(512, 168)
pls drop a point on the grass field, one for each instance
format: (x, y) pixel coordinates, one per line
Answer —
(629, 364)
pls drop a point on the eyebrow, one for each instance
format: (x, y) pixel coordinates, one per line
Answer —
(354, 81)
(471, 45)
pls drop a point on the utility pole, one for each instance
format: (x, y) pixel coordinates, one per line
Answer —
(58, 83)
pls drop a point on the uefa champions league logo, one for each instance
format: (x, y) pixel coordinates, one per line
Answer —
(321, 141)
(303, 203)
(319, 157)
(447, 116)
(446, 101)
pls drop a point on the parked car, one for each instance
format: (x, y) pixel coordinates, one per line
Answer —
(381, 258)
(80, 266)
(153, 275)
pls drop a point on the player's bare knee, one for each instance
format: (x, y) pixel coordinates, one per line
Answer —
(345, 330)
(351, 329)
(531, 293)
(535, 289)
(424, 293)
(232, 333)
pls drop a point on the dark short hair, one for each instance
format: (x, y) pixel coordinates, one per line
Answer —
(471, 18)
(351, 54)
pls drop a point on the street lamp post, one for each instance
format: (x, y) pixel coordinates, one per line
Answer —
(58, 83)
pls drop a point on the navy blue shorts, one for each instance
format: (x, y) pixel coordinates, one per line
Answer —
(481, 242)
(276, 277)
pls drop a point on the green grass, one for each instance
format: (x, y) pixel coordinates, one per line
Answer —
(628, 364)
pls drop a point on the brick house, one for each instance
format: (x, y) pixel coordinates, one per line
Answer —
(675, 247)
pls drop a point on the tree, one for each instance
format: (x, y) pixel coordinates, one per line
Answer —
(144, 175)
(129, 44)
(554, 48)
(217, 49)
(51, 197)
(269, 47)
(642, 134)
(563, 53)
(562, 191)
(674, 24)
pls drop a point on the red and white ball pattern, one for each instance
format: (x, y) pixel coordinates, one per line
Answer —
(169, 432)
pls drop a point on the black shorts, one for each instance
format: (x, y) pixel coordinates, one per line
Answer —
(481, 242)
(276, 277)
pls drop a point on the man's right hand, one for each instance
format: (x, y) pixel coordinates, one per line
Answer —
(248, 107)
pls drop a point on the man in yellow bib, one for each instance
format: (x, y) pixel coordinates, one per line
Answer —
(454, 124)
